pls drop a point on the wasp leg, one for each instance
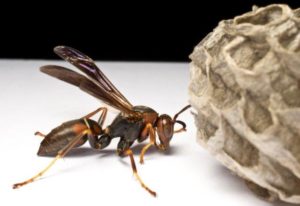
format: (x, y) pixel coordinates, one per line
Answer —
(123, 145)
(104, 140)
(37, 133)
(59, 155)
(102, 116)
(129, 153)
(148, 130)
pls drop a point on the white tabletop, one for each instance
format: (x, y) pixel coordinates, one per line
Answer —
(30, 101)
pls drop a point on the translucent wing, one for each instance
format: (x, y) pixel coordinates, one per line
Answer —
(88, 66)
(86, 85)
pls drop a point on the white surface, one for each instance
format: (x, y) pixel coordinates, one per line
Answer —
(33, 101)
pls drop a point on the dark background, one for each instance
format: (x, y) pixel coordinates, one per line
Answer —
(145, 31)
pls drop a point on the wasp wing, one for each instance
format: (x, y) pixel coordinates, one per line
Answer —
(86, 85)
(88, 66)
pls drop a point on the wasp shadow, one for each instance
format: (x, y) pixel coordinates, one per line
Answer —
(87, 151)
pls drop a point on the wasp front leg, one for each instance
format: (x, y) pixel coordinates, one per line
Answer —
(135, 173)
(148, 130)
(124, 149)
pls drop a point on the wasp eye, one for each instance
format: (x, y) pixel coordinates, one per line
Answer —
(165, 129)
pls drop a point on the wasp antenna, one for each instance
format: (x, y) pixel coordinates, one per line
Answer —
(182, 110)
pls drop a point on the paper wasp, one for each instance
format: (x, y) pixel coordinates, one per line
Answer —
(131, 124)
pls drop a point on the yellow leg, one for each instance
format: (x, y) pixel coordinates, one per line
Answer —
(145, 148)
(59, 155)
(18, 185)
(148, 130)
(135, 173)
(102, 116)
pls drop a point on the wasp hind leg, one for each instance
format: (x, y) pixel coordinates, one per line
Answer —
(94, 140)
(59, 155)
(102, 115)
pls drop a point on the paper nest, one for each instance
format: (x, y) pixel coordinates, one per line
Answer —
(245, 79)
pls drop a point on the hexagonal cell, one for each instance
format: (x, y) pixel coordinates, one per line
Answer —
(238, 147)
(297, 13)
(248, 53)
(262, 17)
(289, 37)
(256, 116)
(287, 86)
(292, 186)
(207, 129)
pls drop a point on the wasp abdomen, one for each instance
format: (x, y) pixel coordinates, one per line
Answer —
(60, 136)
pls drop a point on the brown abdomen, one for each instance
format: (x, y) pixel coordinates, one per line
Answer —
(59, 137)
